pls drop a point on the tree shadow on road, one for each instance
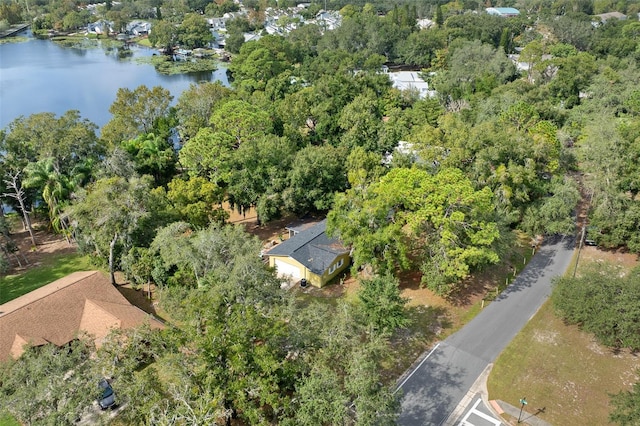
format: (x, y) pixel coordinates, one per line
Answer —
(539, 265)
(425, 396)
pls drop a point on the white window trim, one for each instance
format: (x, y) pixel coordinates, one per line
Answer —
(335, 266)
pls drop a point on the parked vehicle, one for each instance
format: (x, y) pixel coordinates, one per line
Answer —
(590, 238)
(107, 398)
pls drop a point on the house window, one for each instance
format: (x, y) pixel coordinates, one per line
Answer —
(335, 266)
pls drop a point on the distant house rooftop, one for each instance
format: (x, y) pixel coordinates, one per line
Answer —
(604, 17)
(411, 80)
(503, 11)
(425, 23)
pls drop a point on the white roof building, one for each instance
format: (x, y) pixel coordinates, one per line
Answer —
(425, 23)
(505, 12)
(411, 81)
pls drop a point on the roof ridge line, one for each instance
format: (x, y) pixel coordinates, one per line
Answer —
(46, 294)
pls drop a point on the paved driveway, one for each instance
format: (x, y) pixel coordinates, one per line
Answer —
(433, 390)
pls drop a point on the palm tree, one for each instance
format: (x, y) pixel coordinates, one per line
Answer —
(56, 189)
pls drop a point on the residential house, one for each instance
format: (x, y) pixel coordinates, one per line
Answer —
(411, 81)
(328, 19)
(604, 17)
(431, 154)
(138, 28)
(251, 37)
(425, 23)
(219, 40)
(217, 23)
(100, 27)
(83, 302)
(310, 254)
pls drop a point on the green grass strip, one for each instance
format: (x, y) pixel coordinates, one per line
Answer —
(13, 286)
(7, 419)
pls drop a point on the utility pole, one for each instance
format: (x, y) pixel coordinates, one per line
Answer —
(584, 230)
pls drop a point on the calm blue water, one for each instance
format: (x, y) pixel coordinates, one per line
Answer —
(40, 76)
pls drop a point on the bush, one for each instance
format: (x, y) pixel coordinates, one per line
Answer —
(382, 304)
(626, 406)
(602, 302)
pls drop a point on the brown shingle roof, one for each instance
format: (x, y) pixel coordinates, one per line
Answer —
(57, 312)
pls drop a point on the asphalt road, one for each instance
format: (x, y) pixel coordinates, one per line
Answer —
(433, 390)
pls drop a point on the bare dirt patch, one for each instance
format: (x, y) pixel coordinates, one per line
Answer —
(249, 219)
(545, 336)
(271, 233)
(621, 258)
(48, 245)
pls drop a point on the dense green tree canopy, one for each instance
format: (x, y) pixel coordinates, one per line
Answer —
(259, 61)
(196, 105)
(473, 67)
(198, 200)
(48, 384)
(164, 35)
(316, 174)
(112, 215)
(241, 120)
(68, 140)
(194, 31)
(152, 155)
(136, 111)
(438, 219)
(382, 304)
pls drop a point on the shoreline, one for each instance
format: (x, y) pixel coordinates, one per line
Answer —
(15, 29)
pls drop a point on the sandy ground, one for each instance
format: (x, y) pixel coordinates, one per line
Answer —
(48, 244)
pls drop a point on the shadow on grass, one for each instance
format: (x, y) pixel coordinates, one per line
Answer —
(426, 324)
(431, 318)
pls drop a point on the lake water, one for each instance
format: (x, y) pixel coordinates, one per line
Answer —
(40, 76)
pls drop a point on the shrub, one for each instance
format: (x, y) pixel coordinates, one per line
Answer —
(604, 302)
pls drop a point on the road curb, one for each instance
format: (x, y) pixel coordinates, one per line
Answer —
(527, 418)
(478, 387)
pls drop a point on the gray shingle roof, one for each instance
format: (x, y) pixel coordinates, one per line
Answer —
(312, 248)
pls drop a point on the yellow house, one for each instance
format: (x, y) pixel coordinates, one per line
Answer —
(310, 254)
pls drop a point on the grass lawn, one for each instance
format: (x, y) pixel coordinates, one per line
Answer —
(562, 370)
(144, 42)
(13, 286)
(7, 419)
